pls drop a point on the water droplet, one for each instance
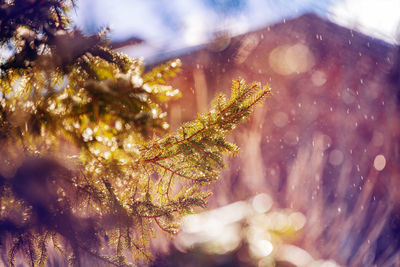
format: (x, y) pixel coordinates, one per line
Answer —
(280, 119)
(336, 157)
(87, 134)
(262, 203)
(379, 162)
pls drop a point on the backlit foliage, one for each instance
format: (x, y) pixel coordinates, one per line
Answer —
(89, 167)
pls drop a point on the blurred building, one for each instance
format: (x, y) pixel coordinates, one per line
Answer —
(326, 144)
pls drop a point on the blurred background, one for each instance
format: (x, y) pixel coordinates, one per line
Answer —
(318, 178)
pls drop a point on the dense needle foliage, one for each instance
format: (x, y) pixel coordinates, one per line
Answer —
(88, 166)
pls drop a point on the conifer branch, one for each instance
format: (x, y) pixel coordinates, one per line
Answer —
(75, 92)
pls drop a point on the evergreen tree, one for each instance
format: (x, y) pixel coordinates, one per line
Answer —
(88, 166)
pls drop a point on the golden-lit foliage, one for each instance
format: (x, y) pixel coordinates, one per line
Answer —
(84, 137)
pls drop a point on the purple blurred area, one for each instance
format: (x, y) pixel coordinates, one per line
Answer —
(324, 147)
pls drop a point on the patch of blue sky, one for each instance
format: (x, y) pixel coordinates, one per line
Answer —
(174, 21)
(170, 25)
